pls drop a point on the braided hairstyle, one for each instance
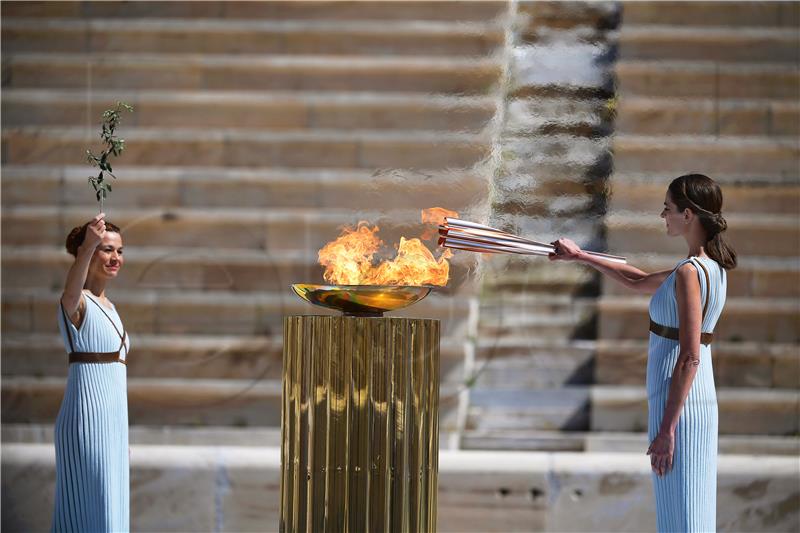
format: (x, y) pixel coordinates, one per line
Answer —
(78, 235)
(703, 197)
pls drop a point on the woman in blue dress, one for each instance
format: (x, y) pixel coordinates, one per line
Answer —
(91, 433)
(686, 304)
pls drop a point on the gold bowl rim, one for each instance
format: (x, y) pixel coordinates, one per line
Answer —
(414, 293)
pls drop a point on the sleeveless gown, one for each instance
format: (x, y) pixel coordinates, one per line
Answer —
(91, 432)
(686, 496)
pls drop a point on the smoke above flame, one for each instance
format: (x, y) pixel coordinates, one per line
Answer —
(350, 259)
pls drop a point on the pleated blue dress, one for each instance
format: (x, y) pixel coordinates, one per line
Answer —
(91, 432)
(686, 497)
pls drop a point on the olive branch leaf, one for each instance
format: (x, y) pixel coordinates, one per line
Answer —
(114, 146)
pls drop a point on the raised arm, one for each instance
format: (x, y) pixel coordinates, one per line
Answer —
(627, 275)
(687, 293)
(72, 297)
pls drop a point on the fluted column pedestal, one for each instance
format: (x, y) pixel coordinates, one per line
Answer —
(360, 436)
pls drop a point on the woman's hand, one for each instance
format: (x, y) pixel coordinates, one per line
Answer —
(565, 250)
(661, 451)
(95, 231)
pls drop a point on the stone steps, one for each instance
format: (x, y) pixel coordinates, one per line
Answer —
(638, 193)
(564, 408)
(707, 79)
(195, 356)
(219, 36)
(750, 234)
(149, 311)
(754, 277)
(242, 72)
(715, 155)
(479, 11)
(709, 13)
(522, 440)
(367, 149)
(538, 277)
(601, 442)
(478, 491)
(237, 109)
(741, 411)
(619, 408)
(175, 402)
(770, 320)
(205, 269)
(531, 362)
(705, 116)
(730, 44)
(210, 187)
(273, 231)
(736, 364)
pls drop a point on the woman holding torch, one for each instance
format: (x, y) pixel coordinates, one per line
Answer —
(91, 433)
(686, 304)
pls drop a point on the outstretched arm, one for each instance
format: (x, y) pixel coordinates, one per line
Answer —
(627, 275)
(687, 292)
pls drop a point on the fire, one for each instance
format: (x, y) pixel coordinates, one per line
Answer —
(435, 216)
(349, 260)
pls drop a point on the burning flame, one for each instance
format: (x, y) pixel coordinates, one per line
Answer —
(348, 260)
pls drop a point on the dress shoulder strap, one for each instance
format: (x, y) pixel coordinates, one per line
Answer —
(121, 335)
(66, 326)
(708, 284)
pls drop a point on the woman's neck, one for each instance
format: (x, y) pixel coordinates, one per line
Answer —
(96, 287)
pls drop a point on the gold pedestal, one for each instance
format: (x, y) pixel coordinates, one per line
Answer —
(360, 435)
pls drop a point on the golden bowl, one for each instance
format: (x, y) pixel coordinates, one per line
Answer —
(361, 300)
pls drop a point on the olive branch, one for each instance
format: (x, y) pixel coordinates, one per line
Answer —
(114, 146)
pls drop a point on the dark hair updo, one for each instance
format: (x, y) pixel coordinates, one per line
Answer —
(78, 235)
(703, 197)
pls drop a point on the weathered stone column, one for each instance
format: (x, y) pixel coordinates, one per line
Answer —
(360, 436)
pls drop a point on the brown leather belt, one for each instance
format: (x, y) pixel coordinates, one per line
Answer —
(672, 333)
(89, 357)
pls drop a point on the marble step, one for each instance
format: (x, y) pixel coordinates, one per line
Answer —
(239, 109)
(725, 43)
(741, 411)
(754, 277)
(728, 179)
(282, 10)
(209, 187)
(171, 269)
(319, 148)
(174, 402)
(636, 192)
(743, 319)
(251, 73)
(749, 233)
(195, 356)
(705, 116)
(534, 277)
(565, 408)
(478, 490)
(510, 440)
(707, 79)
(514, 362)
(219, 36)
(739, 13)
(537, 324)
(715, 155)
(736, 364)
(272, 231)
(153, 311)
(586, 441)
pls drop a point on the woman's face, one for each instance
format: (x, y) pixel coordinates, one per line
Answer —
(675, 219)
(107, 259)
